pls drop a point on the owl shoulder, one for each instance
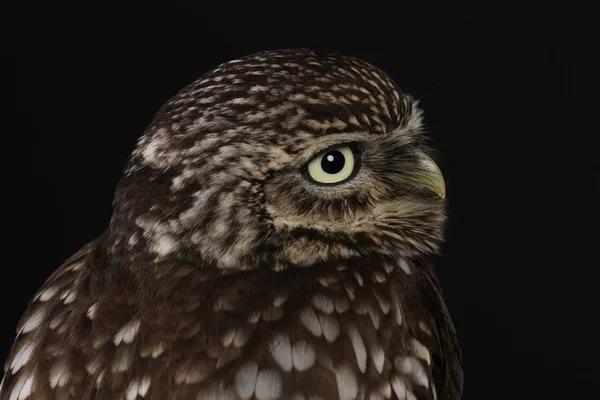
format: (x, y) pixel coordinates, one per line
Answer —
(41, 359)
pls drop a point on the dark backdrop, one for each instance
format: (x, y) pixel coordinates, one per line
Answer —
(497, 86)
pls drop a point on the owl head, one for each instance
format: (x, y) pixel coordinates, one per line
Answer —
(283, 159)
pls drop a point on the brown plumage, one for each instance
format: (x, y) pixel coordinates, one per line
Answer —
(232, 270)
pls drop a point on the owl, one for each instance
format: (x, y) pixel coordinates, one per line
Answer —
(271, 238)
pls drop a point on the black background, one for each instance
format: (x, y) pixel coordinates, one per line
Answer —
(499, 90)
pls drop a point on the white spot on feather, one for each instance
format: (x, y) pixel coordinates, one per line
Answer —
(132, 390)
(268, 385)
(358, 277)
(34, 320)
(310, 321)
(22, 389)
(164, 244)
(133, 239)
(375, 316)
(399, 387)
(386, 390)
(281, 351)
(92, 366)
(243, 334)
(158, 350)
(127, 332)
(22, 356)
(150, 152)
(47, 294)
(359, 347)
(341, 303)
(144, 386)
(245, 380)
(241, 100)
(378, 357)
(122, 361)
(68, 296)
(75, 267)
(330, 326)
(303, 355)
(91, 312)
(397, 311)
(379, 276)
(100, 379)
(424, 328)
(253, 317)
(404, 265)
(350, 291)
(346, 383)
(421, 351)
(227, 339)
(59, 374)
(389, 268)
(411, 366)
(279, 300)
(383, 303)
(195, 372)
(323, 303)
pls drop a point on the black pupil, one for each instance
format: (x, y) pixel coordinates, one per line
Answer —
(333, 162)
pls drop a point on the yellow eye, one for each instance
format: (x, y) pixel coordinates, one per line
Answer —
(334, 165)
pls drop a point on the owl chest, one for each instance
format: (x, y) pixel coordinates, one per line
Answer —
(344, 332)
(339, 334)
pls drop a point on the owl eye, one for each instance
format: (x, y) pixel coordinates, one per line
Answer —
(334, 165)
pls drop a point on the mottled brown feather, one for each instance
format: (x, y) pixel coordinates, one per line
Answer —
(226, 274)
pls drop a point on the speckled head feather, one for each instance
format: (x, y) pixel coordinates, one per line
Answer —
(235, 267)
(219, 172)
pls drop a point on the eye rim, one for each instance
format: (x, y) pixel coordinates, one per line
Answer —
(356, 150)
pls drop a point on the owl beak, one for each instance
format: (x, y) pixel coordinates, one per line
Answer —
(432, 176)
